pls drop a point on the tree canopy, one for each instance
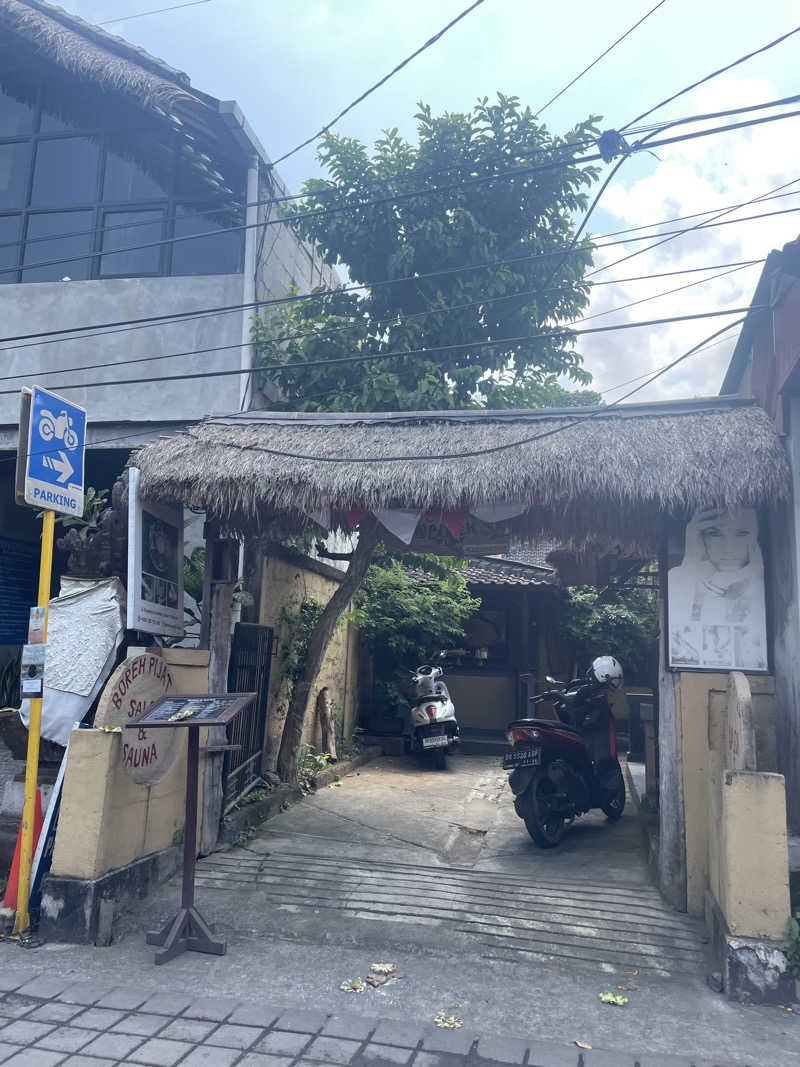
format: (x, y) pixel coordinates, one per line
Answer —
(519, 225)
(408, 610)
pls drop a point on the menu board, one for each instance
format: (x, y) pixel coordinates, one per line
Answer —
(203, 709)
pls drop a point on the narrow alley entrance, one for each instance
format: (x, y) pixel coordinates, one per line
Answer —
(398, 855)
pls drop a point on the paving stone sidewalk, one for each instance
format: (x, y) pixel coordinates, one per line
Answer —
(46, 1021)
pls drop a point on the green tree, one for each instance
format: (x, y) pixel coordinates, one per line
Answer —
(621, 622)
(408, 609)
(511, 218)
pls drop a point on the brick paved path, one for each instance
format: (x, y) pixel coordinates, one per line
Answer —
(46, 1021)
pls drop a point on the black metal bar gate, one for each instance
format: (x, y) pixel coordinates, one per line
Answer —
(251, 657)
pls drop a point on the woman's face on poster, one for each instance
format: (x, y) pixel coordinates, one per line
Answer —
(728, 539)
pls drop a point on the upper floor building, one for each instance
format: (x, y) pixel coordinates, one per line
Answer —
(129, 196)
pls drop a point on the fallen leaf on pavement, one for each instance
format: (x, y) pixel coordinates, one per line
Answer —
(616, 999)
(353, 985)
(383, 968)
(448, 1022)
(377, 980)
(583, 1044)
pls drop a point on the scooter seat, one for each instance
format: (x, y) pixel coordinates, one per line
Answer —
(549, 724)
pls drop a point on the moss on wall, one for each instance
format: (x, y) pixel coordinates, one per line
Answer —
(286, 583)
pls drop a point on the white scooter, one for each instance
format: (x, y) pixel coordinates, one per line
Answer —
(433, 726)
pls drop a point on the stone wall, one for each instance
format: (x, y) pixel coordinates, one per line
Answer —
(287, 582)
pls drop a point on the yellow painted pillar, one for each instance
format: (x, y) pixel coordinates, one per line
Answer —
(22, 919)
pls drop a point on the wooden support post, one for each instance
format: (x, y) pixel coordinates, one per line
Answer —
(219, 579)
(326, 723)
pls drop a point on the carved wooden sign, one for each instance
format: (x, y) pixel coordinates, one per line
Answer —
(131, 690)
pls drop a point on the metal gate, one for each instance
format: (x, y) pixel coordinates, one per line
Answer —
(251, 656)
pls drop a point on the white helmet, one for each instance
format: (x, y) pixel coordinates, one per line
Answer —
(607, 671)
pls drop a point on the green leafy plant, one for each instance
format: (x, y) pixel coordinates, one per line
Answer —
(298, 622)
(524, 220)
(408, 609)
(791, 945)
(309, 766)
(621, 623)
(241, 839)
(95, 502)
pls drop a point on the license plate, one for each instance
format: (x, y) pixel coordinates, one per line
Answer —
(522, 757)
(434, 742)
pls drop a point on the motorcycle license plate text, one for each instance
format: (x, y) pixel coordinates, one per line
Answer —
(434, 742)
(523, 757)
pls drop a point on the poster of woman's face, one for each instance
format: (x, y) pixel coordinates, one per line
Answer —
(717, 614)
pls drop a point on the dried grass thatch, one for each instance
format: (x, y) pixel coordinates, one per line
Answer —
(613, 476)
(95, 57)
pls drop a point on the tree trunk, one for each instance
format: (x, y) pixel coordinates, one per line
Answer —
(318, 646)
(325, 714)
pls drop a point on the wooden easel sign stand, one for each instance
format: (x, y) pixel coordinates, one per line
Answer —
(188, 931)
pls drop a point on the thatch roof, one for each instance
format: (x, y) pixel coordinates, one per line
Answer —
(92, 55)
(611, 476)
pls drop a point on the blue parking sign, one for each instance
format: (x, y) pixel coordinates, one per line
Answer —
(54, 459)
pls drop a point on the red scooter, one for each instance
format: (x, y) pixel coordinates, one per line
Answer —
(561, 769)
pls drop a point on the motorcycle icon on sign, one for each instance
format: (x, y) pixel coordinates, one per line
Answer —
(58, 427)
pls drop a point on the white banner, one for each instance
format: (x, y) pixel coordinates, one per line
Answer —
(155, 565)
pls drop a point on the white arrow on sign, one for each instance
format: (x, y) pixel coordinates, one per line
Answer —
(61, 463)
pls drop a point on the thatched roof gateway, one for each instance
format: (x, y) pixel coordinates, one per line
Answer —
(613, 475)
(92, 55)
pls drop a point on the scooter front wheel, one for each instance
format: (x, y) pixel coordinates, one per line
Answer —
(544, 825)
(614, 804)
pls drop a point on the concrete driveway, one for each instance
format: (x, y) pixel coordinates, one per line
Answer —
(400, 853)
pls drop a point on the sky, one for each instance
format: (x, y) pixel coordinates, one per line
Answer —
(292, 67)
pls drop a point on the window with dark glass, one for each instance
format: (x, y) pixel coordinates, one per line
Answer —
(72, 207)
(129, 230)
(14, 167)
(16, 118)
(220, 253)
(9, 247)
(65, 172)
(124, 180)
(65, 238)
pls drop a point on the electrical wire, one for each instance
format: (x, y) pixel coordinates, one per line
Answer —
(395, 70)
(595, 413)
(403, 196)
(713, 74)
(156, 11)
(602, 55)
(370, 357)
(376, 326)
(125, 325)
(725, 268)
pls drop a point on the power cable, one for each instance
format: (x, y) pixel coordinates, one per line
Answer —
(370, 357)
(713, 74)
(595, 413)
(431, 41)
(736, 265)
(714, 221)
(212, 419)
(156, 11)
(377, 325)
(124, 325)
(394, 199)
(602, 55)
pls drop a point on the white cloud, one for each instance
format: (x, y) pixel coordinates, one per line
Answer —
(710, 172)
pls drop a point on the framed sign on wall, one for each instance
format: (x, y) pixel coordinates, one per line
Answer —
(716, 603)
(155, 564)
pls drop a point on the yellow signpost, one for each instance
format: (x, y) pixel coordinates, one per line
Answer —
(50, 475)
(22, 919)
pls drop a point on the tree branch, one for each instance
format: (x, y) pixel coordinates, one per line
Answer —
(318, 646)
